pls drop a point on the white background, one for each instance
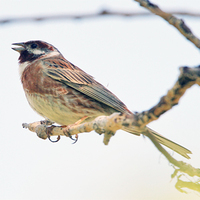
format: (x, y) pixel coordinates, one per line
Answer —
(138, 60)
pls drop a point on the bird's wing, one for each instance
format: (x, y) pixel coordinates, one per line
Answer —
(67, 73)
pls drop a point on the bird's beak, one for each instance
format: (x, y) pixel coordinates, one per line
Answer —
(21, 47)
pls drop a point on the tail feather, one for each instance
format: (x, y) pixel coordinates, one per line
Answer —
(164, 141)
(172, 145)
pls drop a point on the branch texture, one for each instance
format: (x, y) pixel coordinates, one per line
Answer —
(188, 77)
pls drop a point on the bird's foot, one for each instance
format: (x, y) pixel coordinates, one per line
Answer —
(66, 133)
(48, 132)
(76, 123)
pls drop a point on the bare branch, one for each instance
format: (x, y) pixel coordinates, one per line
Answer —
(106, 125)
(178, 23)
(101, 13)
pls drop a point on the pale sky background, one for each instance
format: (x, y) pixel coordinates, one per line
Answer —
(138, 60)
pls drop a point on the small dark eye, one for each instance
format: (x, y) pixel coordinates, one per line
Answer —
(33, 46)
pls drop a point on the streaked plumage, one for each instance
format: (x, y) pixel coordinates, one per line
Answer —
(63, 93)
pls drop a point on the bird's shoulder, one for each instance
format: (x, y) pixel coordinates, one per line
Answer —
(61, 69)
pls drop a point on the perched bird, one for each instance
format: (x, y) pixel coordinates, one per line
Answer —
(63, 93)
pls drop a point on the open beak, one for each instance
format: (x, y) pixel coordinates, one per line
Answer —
(21, 47)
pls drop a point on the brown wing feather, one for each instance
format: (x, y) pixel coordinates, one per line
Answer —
(67, 73)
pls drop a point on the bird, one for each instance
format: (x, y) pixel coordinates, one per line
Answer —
(63, 93)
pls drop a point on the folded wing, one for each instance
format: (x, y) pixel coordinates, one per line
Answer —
(76, 78)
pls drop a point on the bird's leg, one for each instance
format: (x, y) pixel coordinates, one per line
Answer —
(80, 120)
(76, 123)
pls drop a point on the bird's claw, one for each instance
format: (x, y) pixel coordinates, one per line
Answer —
(74, 139)
(49, 137)
(48, 131)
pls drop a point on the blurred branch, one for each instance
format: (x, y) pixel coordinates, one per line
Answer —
(102, 13)
(187, 184)
(178, 23)
(180, 167)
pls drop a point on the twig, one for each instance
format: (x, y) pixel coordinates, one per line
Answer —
(185, 184)
(101, 13)
(106, 125)
(178, 23)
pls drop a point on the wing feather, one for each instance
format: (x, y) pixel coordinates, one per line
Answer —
(84, 83)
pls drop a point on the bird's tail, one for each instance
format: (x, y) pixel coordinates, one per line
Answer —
(166, 142)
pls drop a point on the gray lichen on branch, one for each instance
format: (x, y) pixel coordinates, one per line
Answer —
(188, 77)
(106, 125)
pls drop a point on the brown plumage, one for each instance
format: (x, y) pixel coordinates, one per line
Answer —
(63, 93)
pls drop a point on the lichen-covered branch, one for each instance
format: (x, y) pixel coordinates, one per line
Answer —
(178, 23)
(187, 78)
(106, 125)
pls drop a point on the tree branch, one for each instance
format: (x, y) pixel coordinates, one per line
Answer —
(187, 78)
(106, 125)
(177, 23)
(102, 13)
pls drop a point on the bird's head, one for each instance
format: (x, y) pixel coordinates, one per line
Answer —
(32, 50)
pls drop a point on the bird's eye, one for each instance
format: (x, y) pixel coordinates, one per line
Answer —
(33, 46)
